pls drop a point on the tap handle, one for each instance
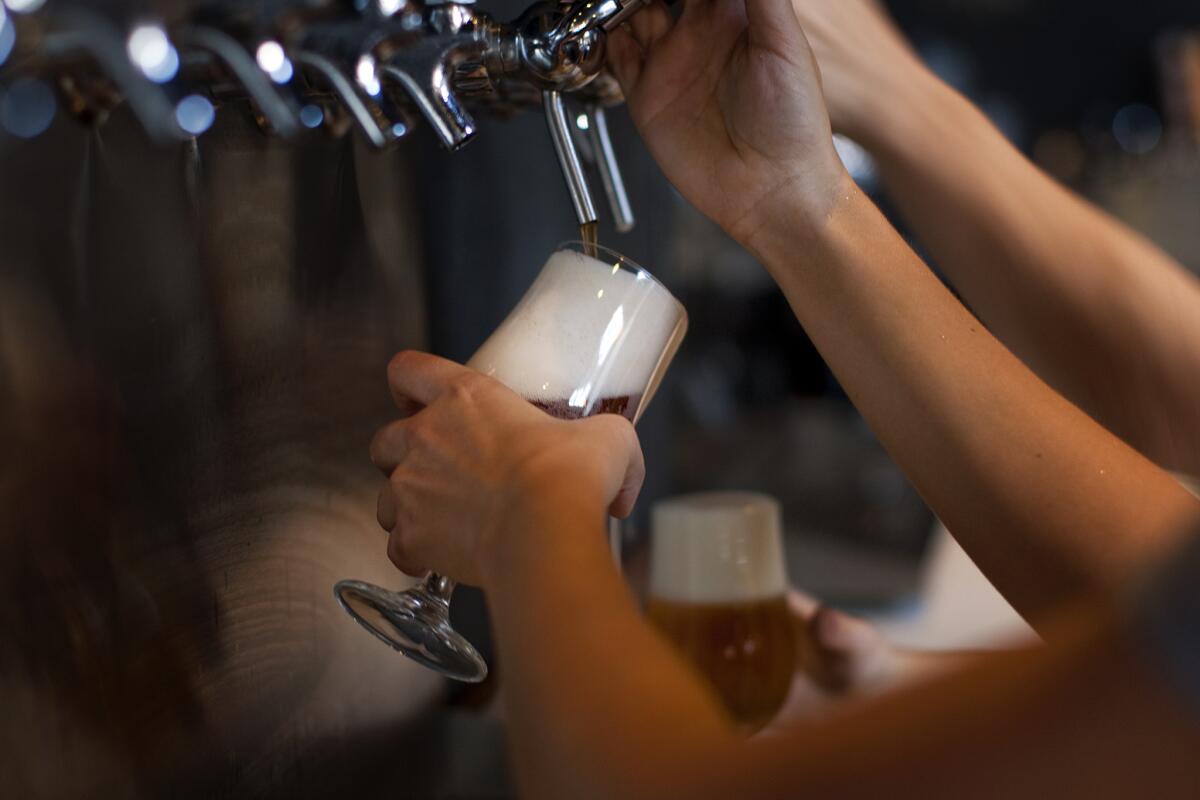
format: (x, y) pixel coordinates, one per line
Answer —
(610, 171)
(559, 123)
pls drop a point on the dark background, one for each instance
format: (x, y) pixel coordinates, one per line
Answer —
(192, 342)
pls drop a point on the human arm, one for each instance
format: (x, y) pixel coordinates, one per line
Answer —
(1046, 501)
(485, 488)
(1099, 312)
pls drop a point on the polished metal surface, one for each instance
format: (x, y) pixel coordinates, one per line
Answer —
(192, 352)
(560, 124)
(304, 65)
(609, 169)
(415, 623)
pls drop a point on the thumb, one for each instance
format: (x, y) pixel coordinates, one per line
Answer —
(839, 652)
(631, 482)
(624, 59)
(626, 453)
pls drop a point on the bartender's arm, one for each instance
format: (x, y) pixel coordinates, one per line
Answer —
(486, 488)
(1097, 311)
(1048, 502)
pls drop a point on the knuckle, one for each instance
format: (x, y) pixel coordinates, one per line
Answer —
(467, 385)
(619, 428)
(401, 362)
(377, 447)
(624, 428)
(418, 436)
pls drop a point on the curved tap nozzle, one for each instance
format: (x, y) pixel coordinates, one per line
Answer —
(229, 52)
(560, 122)
(79, 32)
(425, 70)
(346, 94)
(558, 49)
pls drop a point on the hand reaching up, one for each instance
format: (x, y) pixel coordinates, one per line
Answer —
(728, 99)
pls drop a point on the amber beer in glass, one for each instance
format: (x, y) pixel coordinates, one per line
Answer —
(717, 592)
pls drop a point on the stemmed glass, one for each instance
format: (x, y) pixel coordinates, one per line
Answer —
(593, 334)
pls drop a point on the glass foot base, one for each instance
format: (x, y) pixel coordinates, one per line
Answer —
(417, 624)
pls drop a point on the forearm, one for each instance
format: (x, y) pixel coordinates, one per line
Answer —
(597, 705)
(1045, 500)
(1100, 313)
(1026, 720)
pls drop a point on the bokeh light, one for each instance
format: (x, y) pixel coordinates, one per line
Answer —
(1137, 129)
(274, 61)
(27, 108)
(24, 6)
(195, 114)
(858, 162)
(8, 35)
(311, 116)
(367, 77)
(152, 52)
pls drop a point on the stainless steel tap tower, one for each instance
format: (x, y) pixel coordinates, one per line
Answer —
(325, 65)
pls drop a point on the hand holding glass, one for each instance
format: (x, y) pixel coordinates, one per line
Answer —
(592, 335)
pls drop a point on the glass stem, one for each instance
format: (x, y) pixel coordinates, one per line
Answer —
(438, 586)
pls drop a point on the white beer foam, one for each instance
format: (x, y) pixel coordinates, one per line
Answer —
(717, 547)
(584, 330)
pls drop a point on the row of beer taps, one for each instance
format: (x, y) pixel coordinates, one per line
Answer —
(376, 66)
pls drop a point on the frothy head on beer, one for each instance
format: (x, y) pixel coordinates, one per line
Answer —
(717, 547)
(569, 338)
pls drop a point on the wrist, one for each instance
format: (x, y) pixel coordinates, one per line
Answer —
(543, 519)
(795, 218)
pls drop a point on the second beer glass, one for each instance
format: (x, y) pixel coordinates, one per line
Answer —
(593, 334)
(718, 593)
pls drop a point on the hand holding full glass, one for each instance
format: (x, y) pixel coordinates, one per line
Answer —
(594, 334)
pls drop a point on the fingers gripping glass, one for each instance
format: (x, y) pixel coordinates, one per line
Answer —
(592, 335)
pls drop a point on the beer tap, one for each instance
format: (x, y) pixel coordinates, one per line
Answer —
(426, 71)
(560, 48)
(278, 112)
(74, 34)
(417, 48)
(366, 116)
(559, 123)
(373, 63)
(606, 165)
